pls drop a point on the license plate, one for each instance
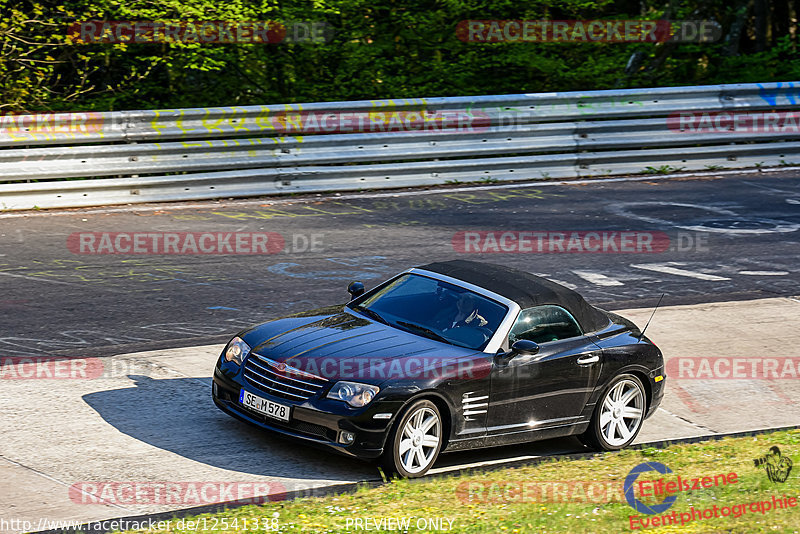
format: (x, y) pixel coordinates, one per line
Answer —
(265, 406)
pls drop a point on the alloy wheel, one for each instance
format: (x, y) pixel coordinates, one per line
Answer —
(420, 439)
(622, 412)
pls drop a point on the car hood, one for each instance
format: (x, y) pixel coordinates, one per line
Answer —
(347, 346)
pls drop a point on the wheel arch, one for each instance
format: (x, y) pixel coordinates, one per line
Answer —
(638, 372)
(593, 436)
(445, 410)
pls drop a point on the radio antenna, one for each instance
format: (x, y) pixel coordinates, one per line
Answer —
(651, 316)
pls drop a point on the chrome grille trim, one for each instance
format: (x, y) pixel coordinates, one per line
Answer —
(272, 382)
(265, 374)
(293, 370)
(276, 392)
(267, 369)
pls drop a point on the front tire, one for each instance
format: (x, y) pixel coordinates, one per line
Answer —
(618, 415)
(415, 441)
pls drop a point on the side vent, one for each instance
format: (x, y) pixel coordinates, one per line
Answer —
(472, 405)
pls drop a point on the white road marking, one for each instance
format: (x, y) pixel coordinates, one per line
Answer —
(730, 222)
(38, 279)
(667, 268)
(597, 278)
(685, 420)
(765, 273)
(773, 189)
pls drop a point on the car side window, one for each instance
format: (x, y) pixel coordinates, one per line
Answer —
(542, 324)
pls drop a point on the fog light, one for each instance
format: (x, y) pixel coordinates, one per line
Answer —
(346, 437)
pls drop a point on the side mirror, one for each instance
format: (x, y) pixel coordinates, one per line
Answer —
(521, 347)
(356, 289)
(524, 347)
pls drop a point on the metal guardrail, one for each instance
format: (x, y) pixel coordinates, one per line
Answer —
(90, 159)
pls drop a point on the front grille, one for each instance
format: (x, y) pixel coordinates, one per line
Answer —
(280, 379)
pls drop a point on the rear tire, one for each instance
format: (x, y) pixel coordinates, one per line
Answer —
(415, 441)
(618, 416)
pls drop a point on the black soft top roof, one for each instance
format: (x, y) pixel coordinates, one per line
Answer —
(523, 288)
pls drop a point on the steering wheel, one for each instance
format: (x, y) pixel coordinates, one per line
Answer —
(471, 336)
(487, 333)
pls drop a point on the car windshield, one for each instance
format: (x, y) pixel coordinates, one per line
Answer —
(435, 309)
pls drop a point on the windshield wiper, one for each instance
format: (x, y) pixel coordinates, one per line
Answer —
(427, 332)
(372, 314)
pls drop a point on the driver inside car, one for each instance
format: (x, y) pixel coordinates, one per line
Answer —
(467, 313)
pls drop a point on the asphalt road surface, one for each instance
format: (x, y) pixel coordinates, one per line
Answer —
(726, 238)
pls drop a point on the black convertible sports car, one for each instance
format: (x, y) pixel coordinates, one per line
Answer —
(448, 356)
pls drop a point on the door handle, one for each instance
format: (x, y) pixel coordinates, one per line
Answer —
(586, 360)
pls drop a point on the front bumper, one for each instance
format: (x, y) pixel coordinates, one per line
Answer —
(316, 421)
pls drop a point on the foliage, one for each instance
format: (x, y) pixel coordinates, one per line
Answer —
(380, 49)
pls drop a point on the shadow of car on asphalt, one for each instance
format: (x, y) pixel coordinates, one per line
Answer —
(178, 415)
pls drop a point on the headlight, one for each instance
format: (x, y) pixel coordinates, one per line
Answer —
(236, 351)
(353, 393)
